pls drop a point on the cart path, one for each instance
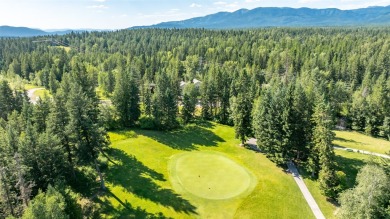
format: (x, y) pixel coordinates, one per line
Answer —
(305, 191)
(362, 152)
(251, 144)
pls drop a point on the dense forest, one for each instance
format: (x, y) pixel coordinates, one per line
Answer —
(288, 88)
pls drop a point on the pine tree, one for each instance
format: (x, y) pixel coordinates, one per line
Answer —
(322, 155)
(190, 94)
(273, 123)
(85, 135)
(58, 118)
(6, 99)
(165, 103)
(47, 205)
(241, 107)
(126, 98)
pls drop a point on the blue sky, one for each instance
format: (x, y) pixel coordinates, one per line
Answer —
(117, 14)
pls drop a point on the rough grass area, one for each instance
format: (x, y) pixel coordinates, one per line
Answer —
(356, 140)
(348, 162)
(31, 86)
(140, 184)
(41, 93)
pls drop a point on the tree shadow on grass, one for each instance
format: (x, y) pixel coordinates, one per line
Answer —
(125, 210)
(139, 179)
(186, 138)
(346, 141)
(350, 166)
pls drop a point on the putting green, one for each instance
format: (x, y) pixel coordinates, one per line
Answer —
(210, 175)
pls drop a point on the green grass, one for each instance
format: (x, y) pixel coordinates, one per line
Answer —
(66, 48)
(140, 184)
(42, 93)
(348, 162)
(209, 175)
(356, 140)
(31, 86)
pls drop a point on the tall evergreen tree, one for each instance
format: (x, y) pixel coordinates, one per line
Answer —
(85, 135)
(241, 107)
(6, 99)
(190, 94)
(165, 102)
(126, 98)
(322, 157)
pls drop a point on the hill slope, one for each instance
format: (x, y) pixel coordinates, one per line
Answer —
(8, 31)
(285, 17)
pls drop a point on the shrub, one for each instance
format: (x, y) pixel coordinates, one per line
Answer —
(147, 122)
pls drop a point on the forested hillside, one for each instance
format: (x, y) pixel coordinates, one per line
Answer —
(284, 17)
(287, 87)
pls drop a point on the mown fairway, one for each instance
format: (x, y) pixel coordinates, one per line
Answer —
(196, 172)
(356, 140)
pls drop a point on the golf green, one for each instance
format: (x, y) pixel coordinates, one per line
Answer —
(210, 175)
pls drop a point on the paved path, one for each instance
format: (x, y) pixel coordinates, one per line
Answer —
(251, 143)
(306, 193)
(30, 94)
(362, 152)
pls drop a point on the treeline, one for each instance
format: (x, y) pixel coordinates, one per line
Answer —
(51, 150)
(287, 87)
(352, 64)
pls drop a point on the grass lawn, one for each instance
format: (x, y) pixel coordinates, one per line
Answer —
(356, 140)
(349, 162)
(170, 174)
(31, 86)
(41, 93)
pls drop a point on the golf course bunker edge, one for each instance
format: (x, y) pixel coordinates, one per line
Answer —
(210, 175)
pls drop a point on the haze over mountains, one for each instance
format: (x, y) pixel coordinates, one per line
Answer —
(258, 17)
(9, 31)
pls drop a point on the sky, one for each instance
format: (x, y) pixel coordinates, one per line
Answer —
(119, 14)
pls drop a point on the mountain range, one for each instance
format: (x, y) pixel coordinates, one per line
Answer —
(9, 31)
(258, 17)
(285, 17)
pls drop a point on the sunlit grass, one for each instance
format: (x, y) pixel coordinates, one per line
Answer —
(141, 185)
(356, 140)
(348, 162)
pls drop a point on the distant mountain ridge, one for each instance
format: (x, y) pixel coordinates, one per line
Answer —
(9, 31)
(284, 17)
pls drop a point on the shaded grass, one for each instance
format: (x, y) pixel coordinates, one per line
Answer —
(356, 140)
(348, 162)
(135, 177)
(140, 177)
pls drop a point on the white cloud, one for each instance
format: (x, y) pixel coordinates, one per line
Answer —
(194, 5)
(252, 1)
(99, 0)
(97, 7)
